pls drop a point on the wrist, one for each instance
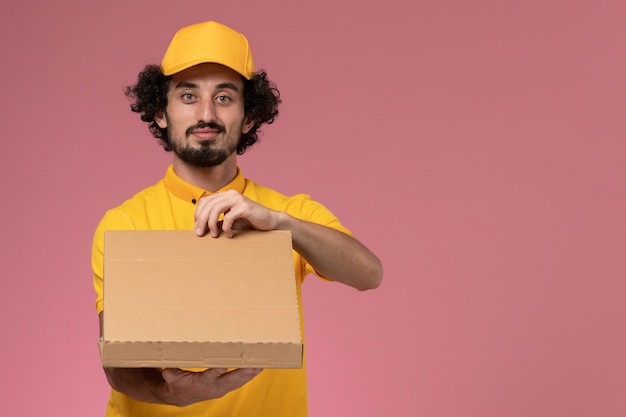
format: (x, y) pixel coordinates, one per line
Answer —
(284, 221)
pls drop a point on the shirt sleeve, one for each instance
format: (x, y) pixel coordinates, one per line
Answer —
(112, 220)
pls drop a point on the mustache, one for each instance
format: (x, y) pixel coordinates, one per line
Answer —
(203, 125)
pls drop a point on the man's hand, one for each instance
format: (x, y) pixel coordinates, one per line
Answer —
(183, 388)
(175, 386)
(334, 254)
(239, 213)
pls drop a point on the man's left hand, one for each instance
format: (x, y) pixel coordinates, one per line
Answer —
(239, 213)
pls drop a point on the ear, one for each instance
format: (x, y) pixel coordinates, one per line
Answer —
(248, 122)
(160, 119)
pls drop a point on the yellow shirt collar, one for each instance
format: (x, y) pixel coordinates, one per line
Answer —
(191, 193)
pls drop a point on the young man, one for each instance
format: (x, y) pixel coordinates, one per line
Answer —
(205, 104)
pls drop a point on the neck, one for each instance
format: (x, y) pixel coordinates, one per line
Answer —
(210, 179)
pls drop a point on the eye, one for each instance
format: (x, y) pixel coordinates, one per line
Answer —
(188, 97)
(223, 99)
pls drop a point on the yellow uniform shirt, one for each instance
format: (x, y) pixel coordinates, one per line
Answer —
(170, 205)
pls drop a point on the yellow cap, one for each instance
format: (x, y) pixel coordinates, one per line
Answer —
(208, 42)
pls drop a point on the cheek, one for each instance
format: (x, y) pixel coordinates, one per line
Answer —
(177, 118)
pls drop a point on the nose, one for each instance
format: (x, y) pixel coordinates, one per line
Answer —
(206, 110)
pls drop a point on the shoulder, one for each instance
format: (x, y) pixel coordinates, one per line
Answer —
(274, 199)
(125, 215)
(301, 206)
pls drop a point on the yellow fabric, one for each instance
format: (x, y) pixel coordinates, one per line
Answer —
(170, 205)
(208, 42)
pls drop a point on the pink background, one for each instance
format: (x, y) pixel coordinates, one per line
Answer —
(478, 147)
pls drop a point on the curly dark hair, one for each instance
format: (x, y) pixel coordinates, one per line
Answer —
(149, 97)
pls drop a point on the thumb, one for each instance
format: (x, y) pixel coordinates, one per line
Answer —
(241, 224)
(169, 374)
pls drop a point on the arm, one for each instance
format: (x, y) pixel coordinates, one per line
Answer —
(175, 386)
(333, 254)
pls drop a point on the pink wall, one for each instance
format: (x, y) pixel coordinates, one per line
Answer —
(478, 147)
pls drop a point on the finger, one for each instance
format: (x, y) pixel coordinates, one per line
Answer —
(237, 217)
(235, 379)
(215, 372)
(229, 219)
(213, 221)
(241, 224)
(211, 208)
(230, 206)
(199, 228)
(171, 374)
(207, 215)
(200, 224)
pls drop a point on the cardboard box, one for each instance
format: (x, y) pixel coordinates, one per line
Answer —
(173, 299)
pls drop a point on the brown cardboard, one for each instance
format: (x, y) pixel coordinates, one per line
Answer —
(173, 299)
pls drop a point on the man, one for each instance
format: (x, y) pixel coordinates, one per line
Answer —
(205, 104)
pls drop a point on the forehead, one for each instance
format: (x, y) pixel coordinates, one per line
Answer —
(207, 75)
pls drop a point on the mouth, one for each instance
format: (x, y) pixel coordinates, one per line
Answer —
(205, 131)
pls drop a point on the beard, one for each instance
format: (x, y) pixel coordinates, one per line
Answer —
(205, 156)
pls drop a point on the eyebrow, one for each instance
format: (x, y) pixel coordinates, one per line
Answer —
(221, 86)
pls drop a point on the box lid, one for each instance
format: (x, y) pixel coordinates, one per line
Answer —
(172, 298)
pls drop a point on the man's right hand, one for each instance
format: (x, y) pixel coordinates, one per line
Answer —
(176, 386)
(183, 388)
